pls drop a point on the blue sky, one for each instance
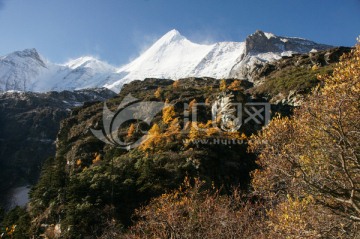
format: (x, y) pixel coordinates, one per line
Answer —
(118, 30)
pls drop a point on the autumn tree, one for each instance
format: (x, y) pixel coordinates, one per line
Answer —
(222, 85)
(316, 152)
(192, 212)
(197, 131)
(176, 84)
(209, 130)
(168, 114)
(235, 85)
(158, 93)
(97, 158)
(173, 131)
(192, 104)
(301, 218)
(131, 131)
(153, 140)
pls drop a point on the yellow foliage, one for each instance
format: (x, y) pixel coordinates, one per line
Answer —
(235, 85)
(198, 213)
(222, 85)
(168, 114)
(176, 84)
(157, 140)
(154, 138)
(131, 130)
(10, 231)
(97, 158)
(158, 93)
(315, 67)
(213, 131)
(235, 135)
(289, 217)
(207, 130)
(192, 104)
(155, 130)
(197, 131)
(78, 162)
(173, 131)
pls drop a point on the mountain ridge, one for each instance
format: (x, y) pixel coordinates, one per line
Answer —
(173, 56)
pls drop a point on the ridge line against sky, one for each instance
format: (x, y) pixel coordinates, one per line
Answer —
(116, 31)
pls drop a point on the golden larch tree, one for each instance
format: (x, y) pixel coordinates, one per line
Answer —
(168, 114)
(176, 84)
(158, 93)
(153, 140)
(235, 85)
(131, 130)
(222, 85)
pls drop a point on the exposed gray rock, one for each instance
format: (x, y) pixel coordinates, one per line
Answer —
(261, 42)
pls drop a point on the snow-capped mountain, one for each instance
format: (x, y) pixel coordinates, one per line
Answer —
(28, 71)
(172, 56)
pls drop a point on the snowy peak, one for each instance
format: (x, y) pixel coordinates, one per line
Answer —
(89, 62)
(24, 56)
(171, 36)
(19, 68)
(164, 57)
(32, 53)
(81, 62)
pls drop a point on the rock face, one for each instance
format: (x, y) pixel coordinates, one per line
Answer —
(29, 123)
(262, 47)
(319, 58)
(261, 42)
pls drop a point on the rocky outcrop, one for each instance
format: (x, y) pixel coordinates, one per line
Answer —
(287, 80)
(262, 49)
(319, 58)
(261, 42)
